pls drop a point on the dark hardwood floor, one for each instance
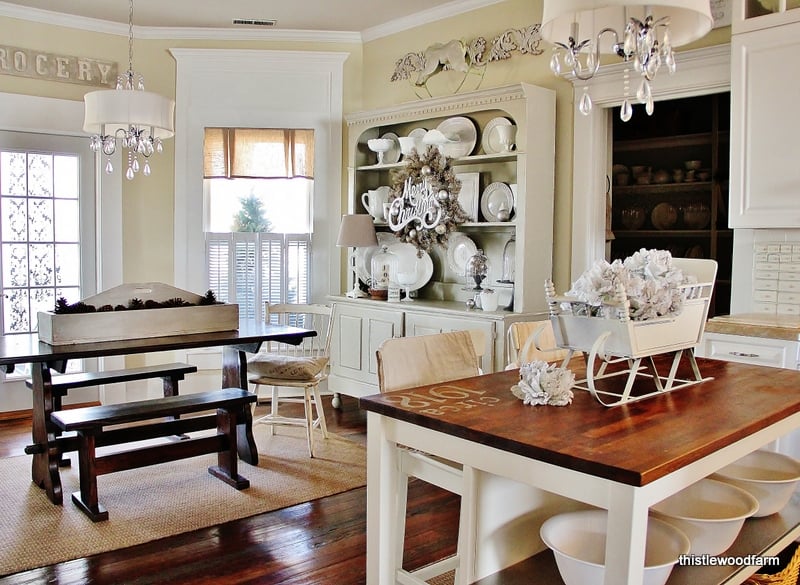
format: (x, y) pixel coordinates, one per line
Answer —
(319, 542)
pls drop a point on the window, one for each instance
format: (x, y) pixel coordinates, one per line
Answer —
(47, 231)
(39, 234)
(258, 208)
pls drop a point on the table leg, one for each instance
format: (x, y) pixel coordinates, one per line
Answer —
(44, 469)
(382, 478)
(626, 535)
(234, 375)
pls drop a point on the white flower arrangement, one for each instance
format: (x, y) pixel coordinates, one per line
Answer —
(650, 280)
(543, 383)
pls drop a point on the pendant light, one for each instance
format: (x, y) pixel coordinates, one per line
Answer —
(128, 117)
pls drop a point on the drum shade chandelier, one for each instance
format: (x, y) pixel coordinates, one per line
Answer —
(129, 117)
(582, 30)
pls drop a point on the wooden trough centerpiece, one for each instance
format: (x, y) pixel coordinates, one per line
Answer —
(108, 324)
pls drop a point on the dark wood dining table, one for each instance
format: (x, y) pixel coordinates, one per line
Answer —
(45, 359)
(622, 459)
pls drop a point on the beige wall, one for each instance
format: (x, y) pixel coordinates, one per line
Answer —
(148, 202)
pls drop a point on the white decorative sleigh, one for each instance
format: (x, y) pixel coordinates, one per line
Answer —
(618, 339)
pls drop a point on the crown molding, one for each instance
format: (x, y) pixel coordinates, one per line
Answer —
(425, 17)
(155, 32)
(398, 25)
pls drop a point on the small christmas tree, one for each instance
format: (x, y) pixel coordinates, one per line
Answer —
(250, 217)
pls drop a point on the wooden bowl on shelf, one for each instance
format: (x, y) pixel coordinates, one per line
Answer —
(664, 216)
(633, 218)
(696, 216)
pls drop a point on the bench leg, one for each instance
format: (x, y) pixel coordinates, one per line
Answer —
(86, 499)
(227, 460)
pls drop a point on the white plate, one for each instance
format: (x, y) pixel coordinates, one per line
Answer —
(462, 129)
(364, 255)
(392, 156)
(490, 140)
(460, 249)
(407, 257)
(493, 197)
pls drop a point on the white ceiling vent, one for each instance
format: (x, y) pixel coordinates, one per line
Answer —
(255, 21)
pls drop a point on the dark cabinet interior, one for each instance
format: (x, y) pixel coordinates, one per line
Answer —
(669, 184)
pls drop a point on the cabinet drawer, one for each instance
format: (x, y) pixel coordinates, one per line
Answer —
(750, 350)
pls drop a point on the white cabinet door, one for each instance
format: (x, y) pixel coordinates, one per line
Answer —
(427, 324)
(357, 334)
(765, 176)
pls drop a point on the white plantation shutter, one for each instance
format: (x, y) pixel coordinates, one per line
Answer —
(252, 268)
(245, 273)
(218, 252)
(298, 251)
(272, 272)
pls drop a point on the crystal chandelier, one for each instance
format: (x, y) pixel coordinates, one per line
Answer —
(582, 30)
(128, 116)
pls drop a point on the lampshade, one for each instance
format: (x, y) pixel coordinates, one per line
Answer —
(109, 110)
(356, 231)
(689, 19)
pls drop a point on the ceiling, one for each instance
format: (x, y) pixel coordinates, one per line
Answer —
(367, 17)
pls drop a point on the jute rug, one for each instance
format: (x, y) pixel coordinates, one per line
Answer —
(162, 500)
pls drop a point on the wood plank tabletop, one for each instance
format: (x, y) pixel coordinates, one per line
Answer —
(634, 443)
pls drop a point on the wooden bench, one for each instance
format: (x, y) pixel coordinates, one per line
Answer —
(232, 406)
(171, 374)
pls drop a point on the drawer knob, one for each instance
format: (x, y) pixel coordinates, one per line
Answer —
(744, 354)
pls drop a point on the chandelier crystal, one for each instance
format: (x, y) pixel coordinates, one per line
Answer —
(582, 30)
(128, 117)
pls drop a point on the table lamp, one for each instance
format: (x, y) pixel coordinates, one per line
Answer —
(356, 231)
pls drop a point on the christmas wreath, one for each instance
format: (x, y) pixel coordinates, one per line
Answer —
(424, 200)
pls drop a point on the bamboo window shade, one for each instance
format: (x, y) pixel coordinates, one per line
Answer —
(258, 153)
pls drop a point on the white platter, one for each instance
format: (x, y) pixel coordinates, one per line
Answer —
(464, 130)
(418, 133)
(490, 139)
(468, 196)
(392, 156)
(492, 199)
(407, 257)
(364, 255)
(460, 248)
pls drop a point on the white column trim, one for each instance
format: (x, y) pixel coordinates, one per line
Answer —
(257, 91)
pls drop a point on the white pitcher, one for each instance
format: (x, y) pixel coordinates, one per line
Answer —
(374, 200)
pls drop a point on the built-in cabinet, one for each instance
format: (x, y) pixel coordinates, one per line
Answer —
(669, 185)
(528, 170)
(441, 305)
(765, 176)
(361, 325)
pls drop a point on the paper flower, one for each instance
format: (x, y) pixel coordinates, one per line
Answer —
(652, 285)
(543, 383)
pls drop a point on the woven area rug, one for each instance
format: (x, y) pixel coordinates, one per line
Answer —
(162, 500)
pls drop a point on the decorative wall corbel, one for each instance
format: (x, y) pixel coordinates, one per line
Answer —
(456, 55)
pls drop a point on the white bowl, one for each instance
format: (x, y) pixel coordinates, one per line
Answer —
(380, 144)
(408, 143)
(768, 476)
(711, 513)
(578, 541)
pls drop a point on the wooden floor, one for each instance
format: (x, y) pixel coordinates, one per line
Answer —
(320, 542)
